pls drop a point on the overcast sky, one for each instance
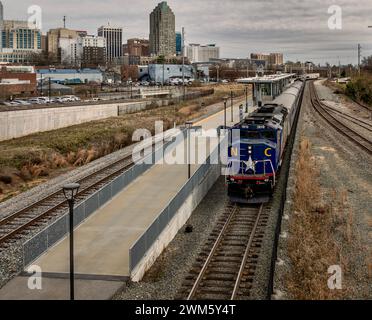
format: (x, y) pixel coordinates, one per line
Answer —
(298, 28)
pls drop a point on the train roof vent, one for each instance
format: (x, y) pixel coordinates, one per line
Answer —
(266, 110)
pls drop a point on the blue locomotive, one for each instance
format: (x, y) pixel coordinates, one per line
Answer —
(257, 146)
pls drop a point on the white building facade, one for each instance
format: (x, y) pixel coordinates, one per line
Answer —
(200, 53)
(114, 41)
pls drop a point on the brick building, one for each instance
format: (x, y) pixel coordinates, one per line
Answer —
(129, 72)
(17, 80)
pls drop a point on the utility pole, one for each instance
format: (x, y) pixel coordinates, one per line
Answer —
(359, 55)
(49, 89)
(339, 68)
(183, 63)
(41, 84)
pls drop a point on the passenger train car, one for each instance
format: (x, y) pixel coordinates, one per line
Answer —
(257, 145)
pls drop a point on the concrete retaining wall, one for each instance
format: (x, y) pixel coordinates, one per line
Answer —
(18, 123)
(177, 222)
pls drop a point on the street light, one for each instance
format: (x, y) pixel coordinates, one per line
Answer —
(225, 106)
(188, 126)
(246, 99)
(232, 106)
(70, 191)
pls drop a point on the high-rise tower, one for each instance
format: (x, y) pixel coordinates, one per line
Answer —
(162, 31)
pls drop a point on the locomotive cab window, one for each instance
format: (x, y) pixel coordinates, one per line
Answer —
(249, 134)
(270, 135)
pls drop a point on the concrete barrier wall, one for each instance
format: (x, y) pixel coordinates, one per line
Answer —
(18, 123)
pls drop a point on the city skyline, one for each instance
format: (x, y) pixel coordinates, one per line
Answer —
(298, 29)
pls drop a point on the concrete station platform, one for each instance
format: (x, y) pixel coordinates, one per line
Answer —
(102, 242)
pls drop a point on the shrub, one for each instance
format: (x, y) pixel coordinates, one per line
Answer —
(6, 179)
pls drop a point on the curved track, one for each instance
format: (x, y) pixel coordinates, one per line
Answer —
(363, 124)
(226, 266)
(327, 115)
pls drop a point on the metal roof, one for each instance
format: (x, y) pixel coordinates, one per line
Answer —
(68, 71)
(267, 79)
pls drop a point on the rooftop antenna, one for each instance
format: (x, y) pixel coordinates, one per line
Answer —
(64, 22)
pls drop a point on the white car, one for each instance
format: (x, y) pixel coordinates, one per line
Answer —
(35, 101)
(22, 102)
(72, 98)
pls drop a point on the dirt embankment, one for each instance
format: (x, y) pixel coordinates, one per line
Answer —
(321, 230)
(329, 238)
(29, 161)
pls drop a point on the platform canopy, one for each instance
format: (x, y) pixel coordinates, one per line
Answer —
(268, 87)
(267, 79)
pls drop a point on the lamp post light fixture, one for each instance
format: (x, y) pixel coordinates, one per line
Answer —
(232, 106)
(225, 107)
(70, 191)
(189, 125)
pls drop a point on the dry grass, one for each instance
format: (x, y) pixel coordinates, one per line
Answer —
(318, 228)
(44, 155)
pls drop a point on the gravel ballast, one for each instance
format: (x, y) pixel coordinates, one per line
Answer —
(344, 169)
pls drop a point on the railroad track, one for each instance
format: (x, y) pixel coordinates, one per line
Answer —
(327, 115)
(19, 223)
(363, 124)
(225, 268)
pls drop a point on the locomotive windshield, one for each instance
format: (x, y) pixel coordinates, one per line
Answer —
(269, 135)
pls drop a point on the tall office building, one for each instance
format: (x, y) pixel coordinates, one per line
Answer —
(137, 47)
(197, 53)
(178, 43)
(94, 51)
(59, 36)
(271, 58)
(276, 59)
(114, 41)
(162, 31)
(17, 35)
(1, 25)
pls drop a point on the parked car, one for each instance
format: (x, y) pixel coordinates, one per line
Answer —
(22, 102)
(70, 98)
(35, 101)
(10, 103)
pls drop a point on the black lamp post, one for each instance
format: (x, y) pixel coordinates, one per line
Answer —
(70, 191)
(188, 126)
(225, 106)
(232, 106)
(246, 99)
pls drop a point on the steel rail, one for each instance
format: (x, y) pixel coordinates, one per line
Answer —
(234, 210)
(338, 125)
(246, 254)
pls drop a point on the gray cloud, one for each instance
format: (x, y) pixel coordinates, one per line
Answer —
(297, 28)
